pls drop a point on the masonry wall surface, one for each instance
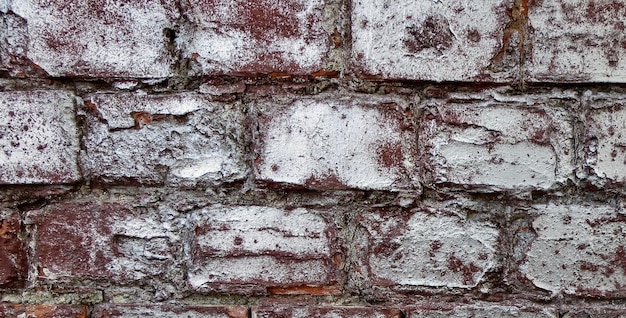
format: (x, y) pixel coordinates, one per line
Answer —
(321, 158)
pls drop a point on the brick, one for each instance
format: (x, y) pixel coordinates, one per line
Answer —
(496, 146)
(38, 137)
(578, 250)
(42, 311)
(430, 246)
(95, 239)
(12, 252)
(168, 310)
(14, 46)
(595, 311)
(239, 37)
(102, 39)
(182, 139)
(576, 41)
(324, 312)
(429, 40)
(329, 143)
(494, 311)
(605, 154)
(254, 249)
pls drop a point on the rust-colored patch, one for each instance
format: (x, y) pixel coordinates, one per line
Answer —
(141, 119)
(237, 312)
(324, 73)
(325, 181)
(277, 75)
(456, 265)
(305, 290)
(389, 155)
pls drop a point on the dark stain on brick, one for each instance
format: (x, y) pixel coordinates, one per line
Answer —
(325, 181)
(456, 265)
(433, 33)
(620, 258)
(389, 155)
(473, 35)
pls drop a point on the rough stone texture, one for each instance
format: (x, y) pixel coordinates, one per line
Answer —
(579, 250)
(327, 143)
(42, 311)
(169, 310)
(498, 144)
(236, 37)
(38, 137)
(431, 246)
(12, 251)
(182, 139)
(595, 312)
(98, 38)
(111, 240)
(245, 249)
(576, 41)
(479, 311)
(429, 40)
(323, 312)
(605, 142)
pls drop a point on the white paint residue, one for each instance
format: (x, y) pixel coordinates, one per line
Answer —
(199, 168)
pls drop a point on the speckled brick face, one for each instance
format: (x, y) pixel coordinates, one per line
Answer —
(173, 311)
(321, 143)
(429, 40)
(98, 38)
(104, 240)
(183, 139)
(495, 145)
(258, 249)
(576, 41)
(579, 250)
(234, 36)
(483, 310)
(38, 137)
(430, 246)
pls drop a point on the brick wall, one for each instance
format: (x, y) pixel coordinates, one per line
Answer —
(312, 158)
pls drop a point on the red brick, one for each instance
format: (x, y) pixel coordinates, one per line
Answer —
(330, 143)
(181, 139)
(431, 246)
(579, 250)
(432, 40)
(324, 312)
(39, 138)
(168, 310)
(268, 36)
(254, 249)
(12, 252)
(495, 145)
(99, 39)
(576, 41)
(43, 311)
(103, 239)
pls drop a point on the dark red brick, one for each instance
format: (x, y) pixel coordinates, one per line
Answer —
(12, 251)
(43, 311)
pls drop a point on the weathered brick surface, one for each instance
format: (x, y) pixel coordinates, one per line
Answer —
(323, 312)
(576, 41)
(168, 310)
(38, 137)
(328, 143)
(42, 311)
(235, 37)
(12, 251)
(431, 246)
(95, 239)
(429, 40)
(604, 151)
(494, 311)
(181, 139)
(98, 39)
(579, 250)
(497, 145)
(254, 249)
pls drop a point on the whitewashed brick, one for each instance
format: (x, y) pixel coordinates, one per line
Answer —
(579, 250)
(431, 246)
(241, 245)
(38, 137)
(101, 39)
(327, 143)
(255, 37)
(181, 139)
(428, 40)
(497, 146)
(481, 311)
